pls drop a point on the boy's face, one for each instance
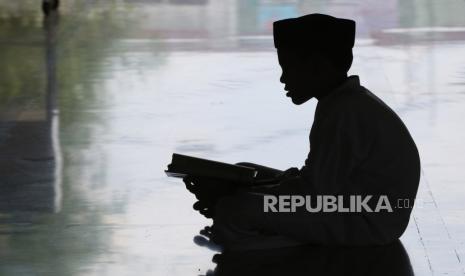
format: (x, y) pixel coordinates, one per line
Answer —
(301, 77)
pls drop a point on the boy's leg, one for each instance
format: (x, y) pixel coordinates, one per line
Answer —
(240, 223)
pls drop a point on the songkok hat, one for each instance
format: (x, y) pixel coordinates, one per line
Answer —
(314, 31)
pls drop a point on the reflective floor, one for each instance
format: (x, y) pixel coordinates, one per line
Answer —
(94, 101)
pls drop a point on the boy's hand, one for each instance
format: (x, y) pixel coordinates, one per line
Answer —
(291, 172)
(207, 191)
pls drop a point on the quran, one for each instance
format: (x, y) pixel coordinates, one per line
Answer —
(184, 165)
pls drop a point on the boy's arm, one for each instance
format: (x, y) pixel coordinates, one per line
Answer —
(274, 185)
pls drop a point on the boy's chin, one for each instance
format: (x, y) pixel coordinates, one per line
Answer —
(299, 100)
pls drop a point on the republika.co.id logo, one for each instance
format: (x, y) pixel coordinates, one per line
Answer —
(331, 203)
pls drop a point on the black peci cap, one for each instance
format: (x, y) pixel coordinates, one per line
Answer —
(314, 31)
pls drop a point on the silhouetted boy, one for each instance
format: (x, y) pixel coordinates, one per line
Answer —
(358, 146)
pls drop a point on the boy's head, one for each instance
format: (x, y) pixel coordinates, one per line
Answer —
(314, 51)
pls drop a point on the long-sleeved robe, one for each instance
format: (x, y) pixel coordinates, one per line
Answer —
(358, 146)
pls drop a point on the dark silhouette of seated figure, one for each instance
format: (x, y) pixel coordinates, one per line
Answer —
(358, 146)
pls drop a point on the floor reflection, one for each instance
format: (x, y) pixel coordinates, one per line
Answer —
(385, 260)
(30, 167)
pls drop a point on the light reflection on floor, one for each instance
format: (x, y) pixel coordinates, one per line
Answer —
(126, 83)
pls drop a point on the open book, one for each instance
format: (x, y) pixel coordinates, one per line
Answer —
(183, 165)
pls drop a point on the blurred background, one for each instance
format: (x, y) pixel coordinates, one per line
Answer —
(95, 99)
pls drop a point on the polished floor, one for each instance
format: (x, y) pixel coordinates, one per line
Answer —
(94, 101)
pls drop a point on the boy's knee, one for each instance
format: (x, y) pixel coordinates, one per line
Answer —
(223, 204)
(226, 208)
(239, 208)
